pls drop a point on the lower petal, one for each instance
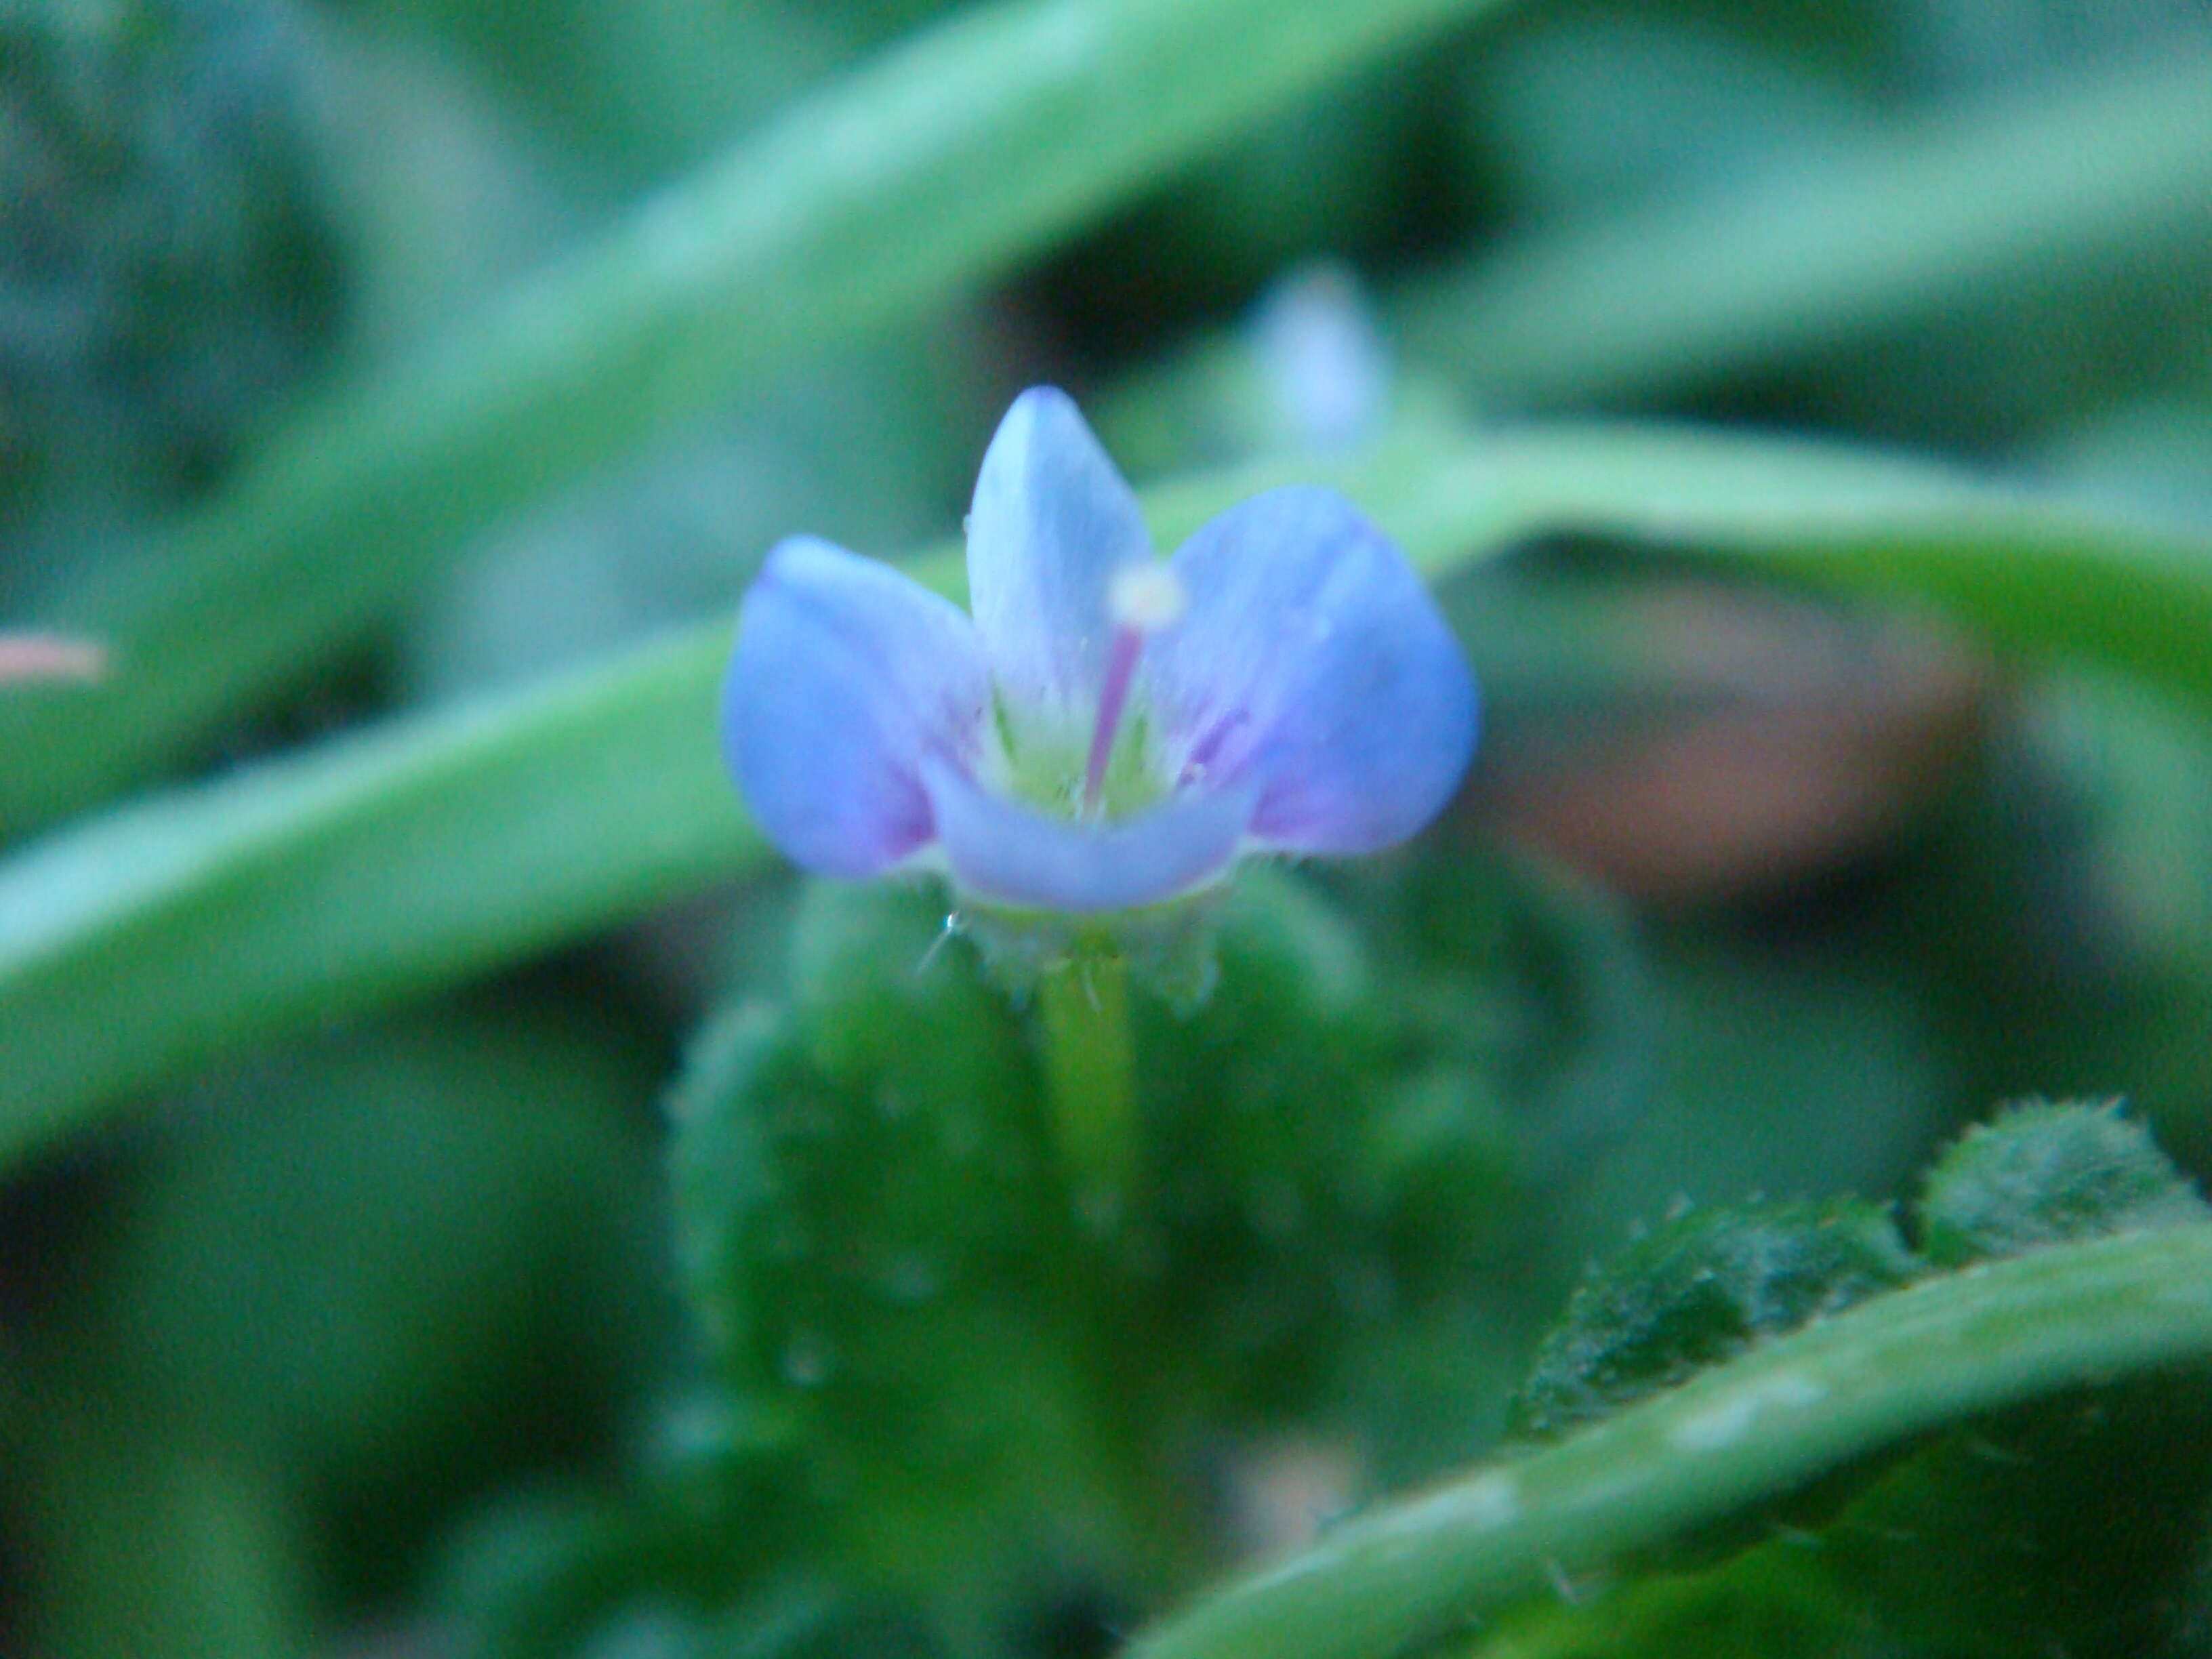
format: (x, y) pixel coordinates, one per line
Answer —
(1002, 852)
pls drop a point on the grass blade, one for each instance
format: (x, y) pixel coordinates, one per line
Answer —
(2069, 182)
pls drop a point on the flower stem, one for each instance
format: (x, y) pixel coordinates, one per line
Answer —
(1091, 1078)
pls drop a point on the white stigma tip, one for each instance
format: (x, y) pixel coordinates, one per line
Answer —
(1146, 597)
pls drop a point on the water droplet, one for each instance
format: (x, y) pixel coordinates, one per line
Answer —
(807, 1360)
(945, 934)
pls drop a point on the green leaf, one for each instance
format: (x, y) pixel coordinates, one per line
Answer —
(1767, 1423)
(386, 865)
(932, 169)
(2042, 1174)
(885, 1242)
(1270, 1224)
(2043, 575)
(1700, 1289)
(1772, 1602)
(2069, 1524)
(881, 1252)
(148, 1544)
(360, 874)
(2064, 1525)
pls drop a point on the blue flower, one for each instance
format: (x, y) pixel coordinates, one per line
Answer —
(1108, 731)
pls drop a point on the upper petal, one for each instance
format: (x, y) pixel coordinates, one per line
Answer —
(1003, 852)
(847, 675)
(1051, 522)
(1312, 664)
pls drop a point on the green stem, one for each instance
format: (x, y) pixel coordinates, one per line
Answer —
(1090, 1081)
(1090, 1074)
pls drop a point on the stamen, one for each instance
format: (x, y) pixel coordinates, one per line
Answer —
(1143, 600)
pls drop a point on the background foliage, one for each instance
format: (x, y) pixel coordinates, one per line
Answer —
(459, 1193)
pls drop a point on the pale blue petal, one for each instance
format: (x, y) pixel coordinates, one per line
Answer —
(1001, 851)
(1312, 666)
(1051, 522)
(846, 677)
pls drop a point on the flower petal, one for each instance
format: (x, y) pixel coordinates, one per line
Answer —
(1003, 851)
(847, 675)
(1051, 522)
(1312, 664)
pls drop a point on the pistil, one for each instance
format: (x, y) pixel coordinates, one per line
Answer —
(1143, 600)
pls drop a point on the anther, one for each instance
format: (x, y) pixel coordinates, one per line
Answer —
(1146, 596)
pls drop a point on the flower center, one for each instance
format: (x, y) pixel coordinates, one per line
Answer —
(1142, 600)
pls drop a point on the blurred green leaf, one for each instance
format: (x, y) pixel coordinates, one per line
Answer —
(934, 168)
(166, 269)
(341, 1257)
(1326, 1161)
(2057, 184)
(2063, 1525)
(383, 866)
(146, 1544)
(222, 916)
(336, 1293)
(2069, 1524)
(1598, 111)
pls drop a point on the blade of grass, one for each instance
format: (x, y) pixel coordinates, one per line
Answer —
(1764, 1423)
(2040, 575)
(934, 168)
(386, 865)
(2061, 187)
